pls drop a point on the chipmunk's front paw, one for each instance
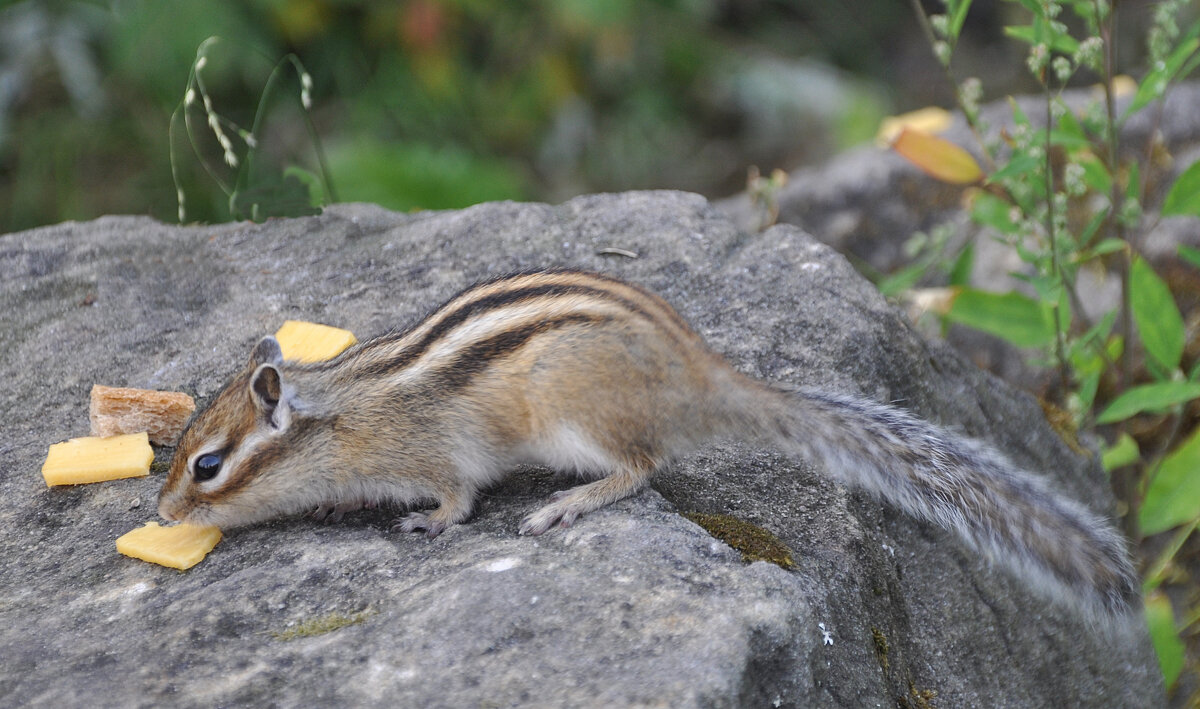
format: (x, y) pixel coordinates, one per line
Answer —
(561, 511)
(329, 512)
(419, 522)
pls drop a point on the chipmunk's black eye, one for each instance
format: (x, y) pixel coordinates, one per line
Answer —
(207, 466)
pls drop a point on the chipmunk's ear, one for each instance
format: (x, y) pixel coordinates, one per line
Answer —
(266, 384)
(267, 351)
(266, 391)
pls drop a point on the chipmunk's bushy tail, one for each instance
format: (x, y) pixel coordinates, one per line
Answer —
(965, 486)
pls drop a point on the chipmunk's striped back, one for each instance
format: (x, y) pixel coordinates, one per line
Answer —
(495, 318)
(582, 372)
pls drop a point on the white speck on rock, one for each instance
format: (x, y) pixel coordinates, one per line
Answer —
(503, 564)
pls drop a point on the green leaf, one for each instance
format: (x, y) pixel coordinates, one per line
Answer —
(1019, 117)
(1024, 33)
(1174, 494)
(1033, 6)
(1089, 231)
(960, 271)
(1123, 452)
(1086, 11)
(1157, 571)
(1068, 133)
(1049, 287)
(1027, 254)
(1188, 68)
(1107, 246)
(1039, 33)
(1086, 390)
(1154, 84)
(1064, 311)
(1088, 363)
(1161, 621)
(1149, 397)
(1019, 319)
(902, 280)
(411, 175)
(1096, 175)
(1159, 323)
(990, 210)
(1134, 183)
(1182, 53)
(311, 180)
(958, 14)
(1151, 87)
(1184, 197)
(1190, 255)
(273, 196)
(1102, 328)
(1021, 165)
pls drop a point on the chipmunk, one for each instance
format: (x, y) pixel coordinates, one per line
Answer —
(586, 373)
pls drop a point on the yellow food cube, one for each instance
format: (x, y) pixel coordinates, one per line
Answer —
(310, 342)
(93, 460)
(180, 547)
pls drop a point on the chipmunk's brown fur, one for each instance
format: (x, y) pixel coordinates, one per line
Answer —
(582, 372)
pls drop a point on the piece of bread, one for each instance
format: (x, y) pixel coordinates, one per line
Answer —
(161, 414)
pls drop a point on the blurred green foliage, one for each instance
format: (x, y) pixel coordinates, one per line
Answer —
(433, 103)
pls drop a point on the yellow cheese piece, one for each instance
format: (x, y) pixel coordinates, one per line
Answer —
(93, 460)
(180, 547)
(310, 342)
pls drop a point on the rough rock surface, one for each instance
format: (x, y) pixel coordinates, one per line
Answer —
(633, 606)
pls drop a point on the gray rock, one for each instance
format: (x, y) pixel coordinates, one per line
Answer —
(633, 606)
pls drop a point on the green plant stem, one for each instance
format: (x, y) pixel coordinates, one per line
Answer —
(1060, 346)
(180, 204)
(187, 123)
(1107, 26)
(318, 148)
(1192, 618)
(1177, 419)
(1154, 574)
(931, 37)
(1125, 485)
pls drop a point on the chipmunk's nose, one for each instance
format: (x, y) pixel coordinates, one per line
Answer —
(165, 513)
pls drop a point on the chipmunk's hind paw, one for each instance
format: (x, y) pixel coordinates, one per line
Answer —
(561, 511)
(566, 505)
(419, 522)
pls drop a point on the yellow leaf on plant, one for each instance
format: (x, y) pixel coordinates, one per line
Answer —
(180, 547)
(931, 120)
(310, 342)
(937, 157)
(92, 459)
